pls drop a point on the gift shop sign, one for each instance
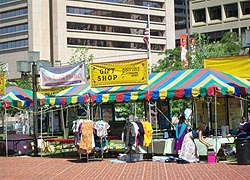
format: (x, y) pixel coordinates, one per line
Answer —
(119, 73)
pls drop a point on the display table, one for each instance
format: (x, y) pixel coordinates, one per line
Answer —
(161, 146)
(202, 149)
(61, 144)
(166, 146)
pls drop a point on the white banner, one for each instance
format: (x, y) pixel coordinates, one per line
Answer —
(62, 76)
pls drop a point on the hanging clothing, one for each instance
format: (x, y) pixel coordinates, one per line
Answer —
(137, 133)
(129, 134)
(101, 128)
(101, 131)
(148, 130)
(87, 138)
(77, 129)
(141, 133)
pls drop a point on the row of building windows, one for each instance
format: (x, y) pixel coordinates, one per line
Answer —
(114, 44)
(105, 13)
(10, 29)
(13, 13)
(5, 1)
(217, 35)
(114, 29)
(215, 13)
(137, 2)
(14, 44)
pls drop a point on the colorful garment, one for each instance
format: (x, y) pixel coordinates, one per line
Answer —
(189, 150)
(101, 128)
(141, 133)
(87, 142)
(148, 130)
(181, 131)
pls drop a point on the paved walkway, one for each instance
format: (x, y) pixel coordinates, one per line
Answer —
(46, 168)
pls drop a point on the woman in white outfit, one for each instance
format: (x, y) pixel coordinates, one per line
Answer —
(189, 152)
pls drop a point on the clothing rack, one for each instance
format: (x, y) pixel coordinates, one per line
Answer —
(101, 132)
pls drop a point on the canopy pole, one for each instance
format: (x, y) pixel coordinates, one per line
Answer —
(88, 111)
(150, 119)
(6, 130)
(91, 108)
(41, 129)
(63, 123)
(196, 113)
(208, 115)
(135, 109)
(215, 119)
(52, 123)
(100, 111)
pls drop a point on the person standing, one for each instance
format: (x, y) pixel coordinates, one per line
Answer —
(16, 127)
(181, 130)
(189, 152)
(241, 133)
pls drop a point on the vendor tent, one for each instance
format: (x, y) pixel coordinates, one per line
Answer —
(25, 95)
(178, 84)
(164, 85)
(11, 100)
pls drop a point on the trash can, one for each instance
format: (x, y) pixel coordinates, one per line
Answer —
(243, 150)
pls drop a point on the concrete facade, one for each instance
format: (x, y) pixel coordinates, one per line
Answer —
(215, 17)
(112, 30)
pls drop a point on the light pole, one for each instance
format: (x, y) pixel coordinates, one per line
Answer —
(24, 67)
(34, 90)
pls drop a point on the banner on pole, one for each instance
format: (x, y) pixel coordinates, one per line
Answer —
(119, 73)
(62, 76)
(2, 84)
(183, 46)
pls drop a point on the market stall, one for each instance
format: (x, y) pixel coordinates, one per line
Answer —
(164, 85)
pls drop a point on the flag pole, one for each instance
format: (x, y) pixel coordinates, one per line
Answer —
(149, 44)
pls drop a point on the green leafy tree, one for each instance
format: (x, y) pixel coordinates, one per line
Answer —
(82, 54)
(229, 45)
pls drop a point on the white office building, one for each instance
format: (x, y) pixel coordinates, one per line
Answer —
(111, 29)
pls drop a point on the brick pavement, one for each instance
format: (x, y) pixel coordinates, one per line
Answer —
(47, 168)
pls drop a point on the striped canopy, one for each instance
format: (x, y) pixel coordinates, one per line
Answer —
(11, 100)
(163, 85)
(26, 95)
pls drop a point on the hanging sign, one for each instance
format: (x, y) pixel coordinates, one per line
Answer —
(62, 76)
(2, 84)
(119, 73)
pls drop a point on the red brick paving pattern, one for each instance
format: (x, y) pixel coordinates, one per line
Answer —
(37, 168)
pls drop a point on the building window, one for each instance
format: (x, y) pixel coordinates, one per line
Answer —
(115, 44)
(243, 29)
(216, 35)
(137, 2)
(215, 13)
(11, 29)
(231, 10)
(245, 6)
(113, 29)
(199, 15)
(124, 15)
(14, 44)
(13, 13)
(5, 1)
